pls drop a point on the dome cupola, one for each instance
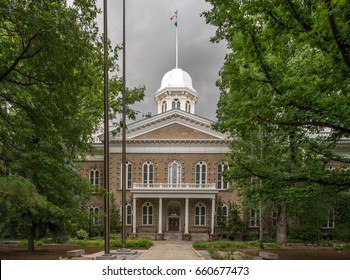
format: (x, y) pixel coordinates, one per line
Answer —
(176, 78)
(176, 92)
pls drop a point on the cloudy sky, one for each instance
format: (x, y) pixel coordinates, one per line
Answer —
(150, 47)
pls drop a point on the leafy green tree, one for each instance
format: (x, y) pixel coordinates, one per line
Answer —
(115, 216)
(235, 225)
(287, 73)
(51, 101)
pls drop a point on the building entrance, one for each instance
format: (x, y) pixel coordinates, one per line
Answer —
(174, 216)
(174, 224)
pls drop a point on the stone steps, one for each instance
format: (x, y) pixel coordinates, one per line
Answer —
(168, 235)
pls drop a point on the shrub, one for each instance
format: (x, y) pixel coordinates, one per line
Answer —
(214, 253)
(304, 233)
(82, 234)
(133, 243)
(342, 232)
(22, 243)
(85, 242)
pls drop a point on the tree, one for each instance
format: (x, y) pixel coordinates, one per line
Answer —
(287, 72)
(115, 217)
(51, 101)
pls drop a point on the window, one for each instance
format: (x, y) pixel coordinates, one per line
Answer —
(147, 214)
(188, 107)
(201, 173)
(128, 214)
(148, 172)
(221, 183)
(199, 215)
(176, 104)
(93, 214)
(221, 215)
(164, 106)
(253, 218)
(128, 171)
(174, 172)
(330, 222)
(94, 177)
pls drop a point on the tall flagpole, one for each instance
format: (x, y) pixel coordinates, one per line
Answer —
(124, 138)
(174, 17)
(106, 130)
(177, 47)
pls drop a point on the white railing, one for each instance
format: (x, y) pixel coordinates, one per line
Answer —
(163, 186)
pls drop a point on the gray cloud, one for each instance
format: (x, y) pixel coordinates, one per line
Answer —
(150, 47)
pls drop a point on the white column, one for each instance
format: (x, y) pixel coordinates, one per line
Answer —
(212, 215)
(160, 216)
(186, 216)
(134, 215)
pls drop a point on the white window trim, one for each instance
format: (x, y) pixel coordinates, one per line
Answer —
(220, 177)
(148, 205)
(148, 163)
(201, 164)
(200, 205)
(170, 171)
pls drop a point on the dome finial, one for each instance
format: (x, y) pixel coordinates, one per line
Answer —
(174, 17)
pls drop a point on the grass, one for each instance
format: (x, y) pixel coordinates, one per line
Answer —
(40, 242)
(130, 243)
(223, 244)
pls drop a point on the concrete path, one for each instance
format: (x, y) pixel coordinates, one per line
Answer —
(171, 250)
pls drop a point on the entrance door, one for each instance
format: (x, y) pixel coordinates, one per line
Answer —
(174, 224)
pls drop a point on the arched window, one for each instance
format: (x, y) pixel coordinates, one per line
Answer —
(148, 172)
(128, 214)
(188, 107)
(94, 177)
(164, 106)
(147, 214)
(93, 214)
(221, 183)
(201, 173)
(128, 171)
(199, 215)
(221, 215)
(176, 104)
(174, 172)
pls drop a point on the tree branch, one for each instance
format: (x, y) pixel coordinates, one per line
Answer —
(343, 48)
(263, 66)
(22, 55)
(297, 16)
(338, 128)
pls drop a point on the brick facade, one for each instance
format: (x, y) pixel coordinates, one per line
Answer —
(183, 141)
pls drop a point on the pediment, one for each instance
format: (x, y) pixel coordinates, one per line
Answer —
(171, 125)
(175, 131)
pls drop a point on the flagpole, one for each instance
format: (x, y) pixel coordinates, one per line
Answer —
(174, 16)
(124, 138)
(106, 131)
(177, 48)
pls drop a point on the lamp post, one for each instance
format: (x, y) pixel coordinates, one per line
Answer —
(261, 227)
(106, 130)
(124, 138)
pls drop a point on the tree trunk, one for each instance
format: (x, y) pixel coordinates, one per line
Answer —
(281, 227)
(30, 238)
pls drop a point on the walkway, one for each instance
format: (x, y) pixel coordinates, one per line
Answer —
(171, 250)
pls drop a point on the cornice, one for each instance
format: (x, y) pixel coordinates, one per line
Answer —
(172, 141)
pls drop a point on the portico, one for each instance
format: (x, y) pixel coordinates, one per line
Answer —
(183, 208)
